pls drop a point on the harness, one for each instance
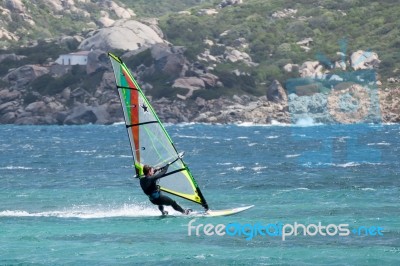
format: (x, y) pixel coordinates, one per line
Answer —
(154, 195)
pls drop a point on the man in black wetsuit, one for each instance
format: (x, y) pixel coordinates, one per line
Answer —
(151, 189)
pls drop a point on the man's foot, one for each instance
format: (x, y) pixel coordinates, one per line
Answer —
(187, 211)
(164, 213)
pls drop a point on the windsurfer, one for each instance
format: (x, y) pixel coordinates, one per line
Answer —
(151, 189)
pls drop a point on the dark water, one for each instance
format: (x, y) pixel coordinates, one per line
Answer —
(68, 197)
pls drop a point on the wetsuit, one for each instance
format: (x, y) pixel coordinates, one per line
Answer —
(151, 189)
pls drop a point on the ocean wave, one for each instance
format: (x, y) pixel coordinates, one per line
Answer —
(342, 165)
(85, 151)
(274, 123)
(368, 189)
(224, 163)
(290, 190)
(306, 122)
(258, 168)
(237, 168)
(11, 167)
(192, 137)
(379, 144)
(85, 212)
(292, 155)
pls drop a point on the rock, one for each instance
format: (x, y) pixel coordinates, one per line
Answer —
(96, 60)
(16, 6)
(210, 80)
(83, 114)
(8, 118)
(207, 12)
(311, 69)
(66, 93)
(12, 57)
(120, 11)
(350, 105)
(190, 83)
(276, 93)
(123, 35)
(287, 12)
(22, 76)
(7, 95)
(364, 60)
(233, 55)
(37, 108)
(290, 67)
(169, 60)
(226, 3)
(8, 107)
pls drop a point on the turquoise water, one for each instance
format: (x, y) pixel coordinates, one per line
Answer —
(68, 196)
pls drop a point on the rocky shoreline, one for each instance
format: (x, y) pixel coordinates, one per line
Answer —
(383, 106)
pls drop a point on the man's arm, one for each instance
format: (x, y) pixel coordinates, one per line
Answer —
(160, 173)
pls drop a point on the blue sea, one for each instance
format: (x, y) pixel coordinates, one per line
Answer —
(68, 197)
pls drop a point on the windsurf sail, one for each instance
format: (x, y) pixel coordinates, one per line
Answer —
(149, 141)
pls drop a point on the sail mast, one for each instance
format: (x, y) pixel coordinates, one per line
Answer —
(149, 140)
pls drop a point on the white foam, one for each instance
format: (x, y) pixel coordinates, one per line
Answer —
(258, 168)
(379, 144)
(224, 163)
(343, 165)
(306, 122)
(292, 155)
(368, 189)
(11, 167)
(238, 168)
(193, 137)
(251, 124)
(87, 212)
(86, 151)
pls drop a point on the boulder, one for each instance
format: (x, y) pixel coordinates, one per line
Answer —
(123, 35)
(96, 60)
(169, 60)
(24, 75)
(276, 93)
(7, 95)
(83, 114)
(8, 118)
(364, 60)
(12, 57)
(190, 83)
(312, 69)
(210, 80)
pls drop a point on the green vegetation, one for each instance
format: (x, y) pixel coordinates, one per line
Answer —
(334, 25)
(157, 8)
(48, 85)
(38, 54)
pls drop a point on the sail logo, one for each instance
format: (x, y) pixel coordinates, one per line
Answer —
(284, 231)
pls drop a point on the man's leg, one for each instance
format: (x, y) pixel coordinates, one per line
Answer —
(161, 208)
(164, 200)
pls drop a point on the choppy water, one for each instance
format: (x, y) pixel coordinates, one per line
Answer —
(68, 197)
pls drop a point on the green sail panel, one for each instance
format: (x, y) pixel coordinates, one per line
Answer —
(149, 141)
